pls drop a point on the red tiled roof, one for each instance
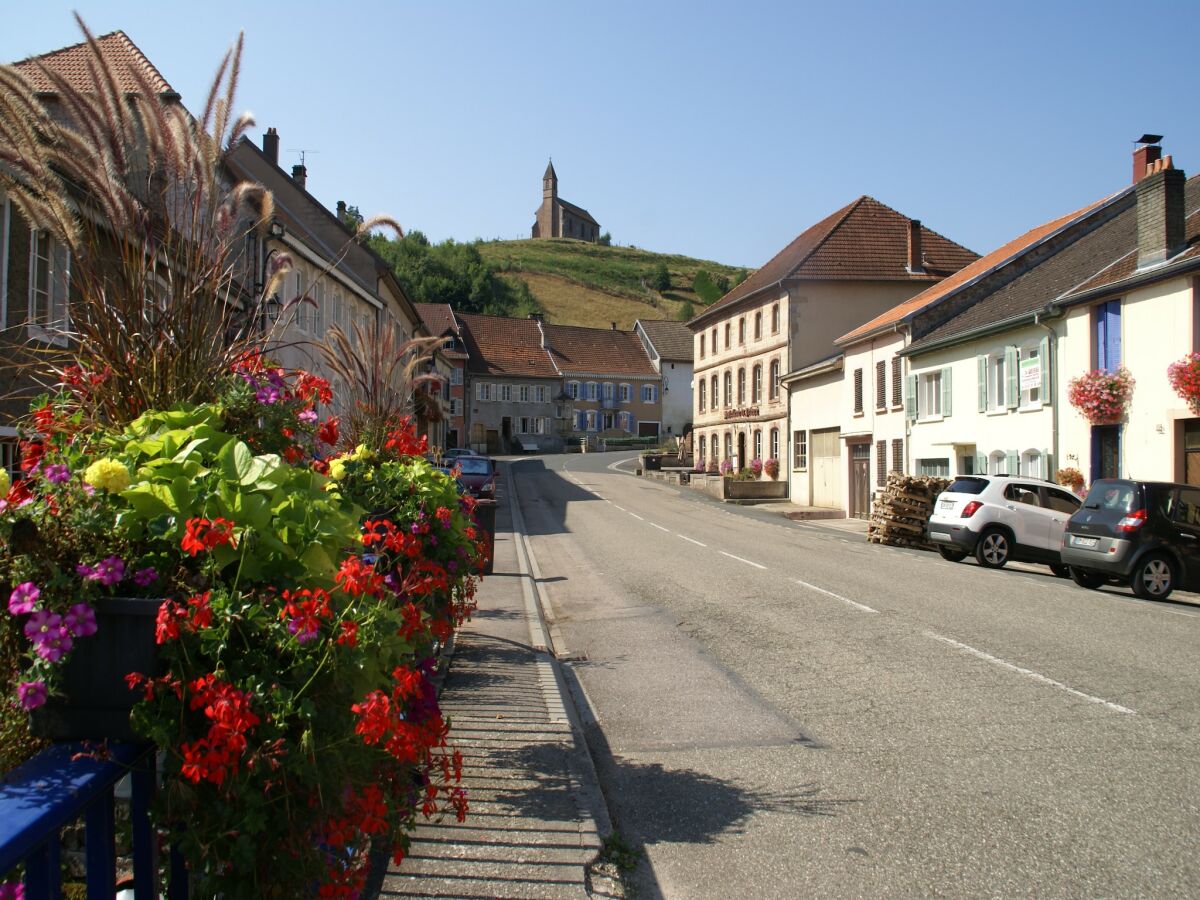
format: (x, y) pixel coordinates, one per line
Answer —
(503, 346)
(73, 64)
(438, 317)
(864, 240)
(598, 350)
(966, 275)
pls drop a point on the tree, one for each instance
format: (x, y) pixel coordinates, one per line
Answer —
(605, 240)
(661, 279)
(351, 217)
(705, 289)
(686, 311)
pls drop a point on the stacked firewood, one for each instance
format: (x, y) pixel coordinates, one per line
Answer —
(902, 510)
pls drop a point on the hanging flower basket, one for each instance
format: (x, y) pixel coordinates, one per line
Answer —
(1102, 397)
(1185, 379)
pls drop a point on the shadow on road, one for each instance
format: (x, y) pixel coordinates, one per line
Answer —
(545, 495)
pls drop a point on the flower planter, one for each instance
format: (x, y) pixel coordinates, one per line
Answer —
(97, 700)
(733, 489)
(651, 463)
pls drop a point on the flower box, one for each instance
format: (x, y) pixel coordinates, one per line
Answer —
(734, 489)
(1102, 397)
(96, 699)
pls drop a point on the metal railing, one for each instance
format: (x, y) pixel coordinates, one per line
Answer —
(71, 781)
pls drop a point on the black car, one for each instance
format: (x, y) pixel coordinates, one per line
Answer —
(1143, 533)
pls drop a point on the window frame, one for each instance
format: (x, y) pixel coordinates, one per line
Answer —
(702, 395)
(800, 450)
(773, 386)
(50, 330)
(758, 325)
(774, 444)
(741, 386)
(775, 319)
(924, 380)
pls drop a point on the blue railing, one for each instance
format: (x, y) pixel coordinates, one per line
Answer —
(62, 784)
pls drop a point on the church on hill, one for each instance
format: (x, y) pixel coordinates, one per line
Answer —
(556, 218)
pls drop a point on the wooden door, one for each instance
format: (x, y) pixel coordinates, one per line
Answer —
(860, 481)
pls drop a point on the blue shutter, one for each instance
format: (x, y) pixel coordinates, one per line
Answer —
(1112, 335)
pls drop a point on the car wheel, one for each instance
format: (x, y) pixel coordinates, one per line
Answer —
(993, 549)
(1060, 571)
(1153, 578)
(1086, 579)
(949, 553)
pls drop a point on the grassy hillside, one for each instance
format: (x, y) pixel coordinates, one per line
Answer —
(578, 283)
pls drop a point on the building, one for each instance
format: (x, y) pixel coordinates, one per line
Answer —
(440, 322)
(844, 270)
(669, 346)
(556, 218)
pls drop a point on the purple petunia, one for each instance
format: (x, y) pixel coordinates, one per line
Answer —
(145, 577)
(308, 416)
(303, 635)
(49, 637)
(57, 473)
(24, 598)
(110, 571)
(31, 695)
(267, 395)
(80, 620)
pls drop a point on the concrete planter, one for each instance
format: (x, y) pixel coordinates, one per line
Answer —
(753, 490)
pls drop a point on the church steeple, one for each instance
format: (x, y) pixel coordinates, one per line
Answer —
(550, 183)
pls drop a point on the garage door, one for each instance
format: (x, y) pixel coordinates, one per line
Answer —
(827, 468)
(648, 429)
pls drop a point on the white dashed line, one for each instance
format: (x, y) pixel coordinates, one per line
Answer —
(739, 559)
(660, 528)
(636, 516)
(621, 508)
(690, 540)
(820, 590)
(1029, 673)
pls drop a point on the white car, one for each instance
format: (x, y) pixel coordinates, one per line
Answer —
(998, 518)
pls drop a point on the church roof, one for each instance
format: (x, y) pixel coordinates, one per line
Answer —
(578, 211)
(74, 65)
(550, 171)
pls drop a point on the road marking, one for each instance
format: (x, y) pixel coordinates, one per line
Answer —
(1029, 673)
(821, 590)
(621, 508)
(739, 559)
(613, 467)
(660, 528)
(636, 516)
(690, 540)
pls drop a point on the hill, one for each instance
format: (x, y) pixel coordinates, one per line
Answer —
(578, 283)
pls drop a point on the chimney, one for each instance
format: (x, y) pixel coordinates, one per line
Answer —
(915, 256)
(1146, 155)
(614, 326)
(300, 175)
(271, 146)
(1160, 214)
(341, 210)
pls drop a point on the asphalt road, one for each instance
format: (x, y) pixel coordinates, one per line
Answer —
(780, 709)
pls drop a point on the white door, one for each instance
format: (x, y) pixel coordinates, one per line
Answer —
(827, 468)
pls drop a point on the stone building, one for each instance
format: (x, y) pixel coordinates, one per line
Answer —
(556, 218)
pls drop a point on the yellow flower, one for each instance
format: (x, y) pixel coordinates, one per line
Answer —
(337, 468)
(361, 453)
(108, 475)
(5, 482)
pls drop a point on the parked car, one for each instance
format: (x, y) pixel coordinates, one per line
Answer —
(457, 452)
(1142, 533)
(477, 474)
(998, 518)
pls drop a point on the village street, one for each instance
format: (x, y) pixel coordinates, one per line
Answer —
(782, 709)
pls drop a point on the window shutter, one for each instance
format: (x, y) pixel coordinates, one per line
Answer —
(1012, 395)
(910, 397)
(981, 464)
(881, 463)
(981, 364)
(898, 455)
(947, 391)
(1044, 358)
(897, 382)
(1048, 465)
(880, 386)
(858, 391)
(1112, 335)
(632, 419)
(1013, 463)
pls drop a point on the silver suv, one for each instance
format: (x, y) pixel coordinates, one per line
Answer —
(998, 518)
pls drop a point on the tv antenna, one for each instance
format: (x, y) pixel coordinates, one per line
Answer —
(302, 154)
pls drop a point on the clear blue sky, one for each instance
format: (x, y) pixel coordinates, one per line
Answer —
(718, 130)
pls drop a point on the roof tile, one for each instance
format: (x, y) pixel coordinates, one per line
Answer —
(672, 340)
(73, 64)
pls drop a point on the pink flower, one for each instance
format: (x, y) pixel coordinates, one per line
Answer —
(24, 598)
(57, 473)
(80, 620)
(145, 577)
(51, 640)
(31, 695)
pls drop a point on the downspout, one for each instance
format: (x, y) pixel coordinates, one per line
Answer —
(1051, 371)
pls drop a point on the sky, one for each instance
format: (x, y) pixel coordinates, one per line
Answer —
(719, 130)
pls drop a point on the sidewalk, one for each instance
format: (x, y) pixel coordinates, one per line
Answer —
(534, 802)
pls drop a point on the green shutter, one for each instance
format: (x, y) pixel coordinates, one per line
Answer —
(910, 397)
(1047, 384)
(981, 363)
(947, 391)
(980, 463)
(1048, 464)
(1012, 392)
(1014, 463)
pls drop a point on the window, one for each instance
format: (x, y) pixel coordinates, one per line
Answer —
(756, 385)
(49, 278)
(714, 339)
(998, 464)
(775, 319)
(1031, 464)
(774, 379)
(880, 463)
(728, 389)
(625, 393)
(774, 443)
(703, 447)
(506, 393)
(700, 397)
(742, 330)
(317, 313)
(1031, 374)
(716, 394)
(10, 457)
(609, 390)
(897, 382)
(573, 390)
(456, 376)
(455, 407)
(880, 387)
(1106, 330)
(539, 393)
(741, 394)
(728, 445)
(929, 395)
(758, 326)
(1023, 493)
(702, 346)
(758, 443)
(523, 425)
(800, 450)
(649, 393)
(483, 391)
(1061, 501)
(936, 468)
(591, 420)
(728, 331)
(898, 455)
(995, 373)
(858, 392)
(5, 228)
(608, 421)
(591, 390)
(524, 393)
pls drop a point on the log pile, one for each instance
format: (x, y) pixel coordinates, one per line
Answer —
(902, 510)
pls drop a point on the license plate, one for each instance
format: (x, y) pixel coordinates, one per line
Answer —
(938, 536)
(1077, 541)
(946, 504)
